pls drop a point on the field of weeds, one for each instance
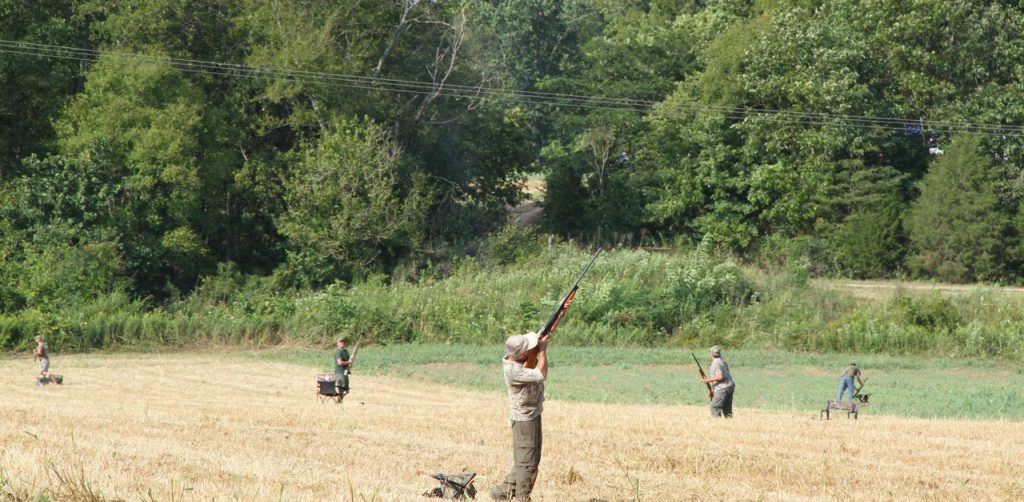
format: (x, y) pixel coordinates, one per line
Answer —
(221, 427)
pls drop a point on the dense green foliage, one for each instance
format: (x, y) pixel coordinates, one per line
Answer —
(956, 223)
(264, 169)
(629, 298)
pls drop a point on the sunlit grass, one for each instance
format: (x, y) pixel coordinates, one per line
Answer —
(236, 426)
(772, 380)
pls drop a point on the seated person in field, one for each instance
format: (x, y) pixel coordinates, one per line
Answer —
(846, 381)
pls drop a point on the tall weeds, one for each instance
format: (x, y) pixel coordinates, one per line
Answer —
(630, 297)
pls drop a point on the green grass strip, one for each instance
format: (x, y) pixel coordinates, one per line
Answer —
(773, 380)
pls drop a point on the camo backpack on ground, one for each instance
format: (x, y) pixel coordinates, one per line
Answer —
(45, 380)
(454, 487)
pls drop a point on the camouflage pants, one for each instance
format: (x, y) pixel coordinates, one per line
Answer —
(721, 403)
(526, 448)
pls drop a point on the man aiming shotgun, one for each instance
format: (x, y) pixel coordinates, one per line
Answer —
(526, 367)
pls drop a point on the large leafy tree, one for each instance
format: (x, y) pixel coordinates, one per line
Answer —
(731, 166)
(59, 241)
(145, 122)
(521, 43)
(696, 151)
(34, 88)
(414, 61)
(637, 55)
(352, 207)
(870, 240)
(192, 29)
(957, 226)
(195, 32)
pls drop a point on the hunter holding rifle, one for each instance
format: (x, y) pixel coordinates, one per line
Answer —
(722, 386)
(342, 363)
(526, 367)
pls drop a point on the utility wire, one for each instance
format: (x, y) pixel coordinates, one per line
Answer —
(351, 81)
(331, 79)
(232, 70)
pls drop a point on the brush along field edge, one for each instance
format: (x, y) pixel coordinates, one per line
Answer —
(205, 426)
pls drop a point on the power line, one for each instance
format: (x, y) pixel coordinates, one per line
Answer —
(330, 79)
(232, 70)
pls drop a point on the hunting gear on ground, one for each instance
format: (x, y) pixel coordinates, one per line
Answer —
(453, 486)
(722, 385)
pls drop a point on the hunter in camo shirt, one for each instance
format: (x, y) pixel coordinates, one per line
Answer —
(525, 388)
(722, 385)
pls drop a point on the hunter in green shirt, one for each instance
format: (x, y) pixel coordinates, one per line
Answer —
(342, 360)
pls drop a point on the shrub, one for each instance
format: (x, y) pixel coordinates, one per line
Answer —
(934, 313)
(510, 245)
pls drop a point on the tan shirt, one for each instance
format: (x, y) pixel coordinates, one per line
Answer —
(719, 367)
(525, 391)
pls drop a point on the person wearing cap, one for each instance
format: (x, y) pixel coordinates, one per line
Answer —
(846, 382)
(722, 385)
(43, 356)
(342, 360)
(525, 387)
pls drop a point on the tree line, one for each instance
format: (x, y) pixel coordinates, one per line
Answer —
(147, 144)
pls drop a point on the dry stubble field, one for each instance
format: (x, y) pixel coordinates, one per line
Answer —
(194, 427)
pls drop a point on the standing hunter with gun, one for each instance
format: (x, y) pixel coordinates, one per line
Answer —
(526, 367)
(342, 364)
(720, 384)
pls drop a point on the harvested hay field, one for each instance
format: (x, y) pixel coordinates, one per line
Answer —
(217, 427)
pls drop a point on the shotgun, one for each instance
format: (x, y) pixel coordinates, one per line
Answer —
(355, 351)
(711, 393)
(563, 307)
(856, 390)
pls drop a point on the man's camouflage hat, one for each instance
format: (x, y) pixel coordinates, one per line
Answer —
(517, 345)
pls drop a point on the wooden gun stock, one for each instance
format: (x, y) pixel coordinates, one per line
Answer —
(711, 393)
